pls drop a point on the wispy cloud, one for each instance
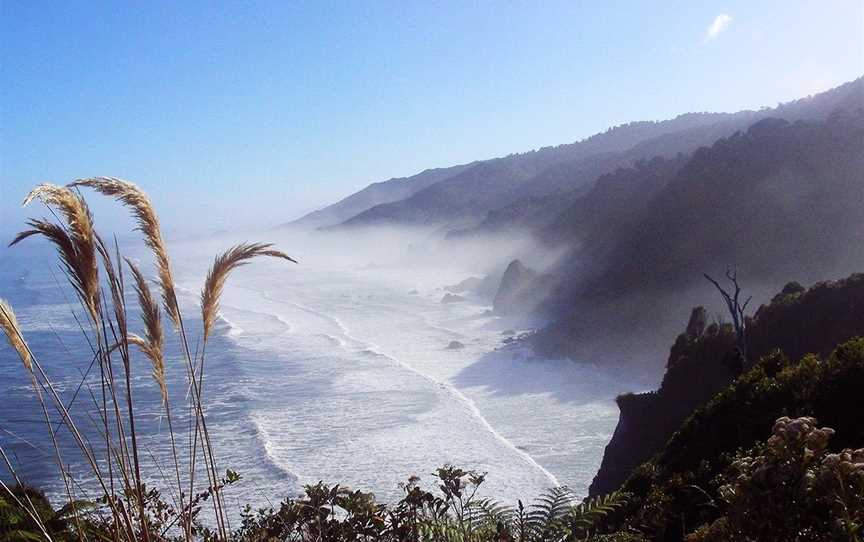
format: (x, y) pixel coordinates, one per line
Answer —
(717, 26)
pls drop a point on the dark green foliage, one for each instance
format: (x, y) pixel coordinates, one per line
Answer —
(686, 486)
(790, 489)
(745, 411)
(20, 510)
(328, 513)
(801, 321)
(797, 321)
(92, 520)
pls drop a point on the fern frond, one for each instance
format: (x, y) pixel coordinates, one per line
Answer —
(444, 530)
(546, 513)
(582, 518)
(485, 511)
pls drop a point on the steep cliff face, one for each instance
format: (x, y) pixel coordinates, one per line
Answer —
(697, 369)
(718, 469)
(702, 362)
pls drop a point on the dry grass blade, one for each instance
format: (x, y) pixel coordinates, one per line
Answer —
(77, 246)
(152, 345)
(115, 284)
(130, 195)
(10, 326)
(218, 274)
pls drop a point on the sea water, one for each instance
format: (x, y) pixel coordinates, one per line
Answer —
(335, 369)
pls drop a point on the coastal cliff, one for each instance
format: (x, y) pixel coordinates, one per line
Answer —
(702, 362)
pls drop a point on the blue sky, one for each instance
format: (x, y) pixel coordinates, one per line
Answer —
(246, 114)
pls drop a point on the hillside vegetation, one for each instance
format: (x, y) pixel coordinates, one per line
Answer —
(702, 362)
(779, 200)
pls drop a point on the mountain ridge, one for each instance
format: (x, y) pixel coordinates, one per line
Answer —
(374, 194)
(468, 193)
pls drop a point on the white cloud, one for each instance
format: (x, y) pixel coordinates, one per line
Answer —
(718, 25)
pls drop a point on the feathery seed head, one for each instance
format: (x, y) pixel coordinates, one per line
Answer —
(10, 327)
(156, 358)
(133, 197)
(218, 274)
(152, 345)
(75, 244)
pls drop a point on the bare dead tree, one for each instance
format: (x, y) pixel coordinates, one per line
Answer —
(736, 308)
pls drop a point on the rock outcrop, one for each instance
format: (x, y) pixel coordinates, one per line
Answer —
(484, 287)
(452, 298)
(515, 291)
(695, 372)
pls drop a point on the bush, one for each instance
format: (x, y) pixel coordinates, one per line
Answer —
(791, 489)
(679, 490)
(332, 513)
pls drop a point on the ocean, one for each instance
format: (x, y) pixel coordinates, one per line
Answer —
(336, 369)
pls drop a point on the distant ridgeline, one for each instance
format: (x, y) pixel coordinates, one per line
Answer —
(780, 200)
(502, 193)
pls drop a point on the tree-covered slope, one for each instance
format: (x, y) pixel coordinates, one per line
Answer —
(797, 322)
(781, 199)
(563, 184)
(739, 469)
(496, 183)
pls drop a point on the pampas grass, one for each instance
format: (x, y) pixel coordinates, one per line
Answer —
(222, 266)
(153, 344)
(79, 231)
(117, 467)
(9, 324)
(130, 195)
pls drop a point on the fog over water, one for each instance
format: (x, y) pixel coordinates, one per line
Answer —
(337, 369)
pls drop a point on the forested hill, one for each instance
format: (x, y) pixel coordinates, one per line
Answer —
(541, 201)
(779, 200)
(392, 201)
(759, 198)
(467, 197)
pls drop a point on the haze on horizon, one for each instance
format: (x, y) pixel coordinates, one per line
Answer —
(258, 114)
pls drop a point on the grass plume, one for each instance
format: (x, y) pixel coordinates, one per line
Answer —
(116, 466)
(76, 242)
(10, 326)
(152, 344)
(222, 266)
(131, 196)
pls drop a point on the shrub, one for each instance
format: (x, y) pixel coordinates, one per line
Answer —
(791, 489)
